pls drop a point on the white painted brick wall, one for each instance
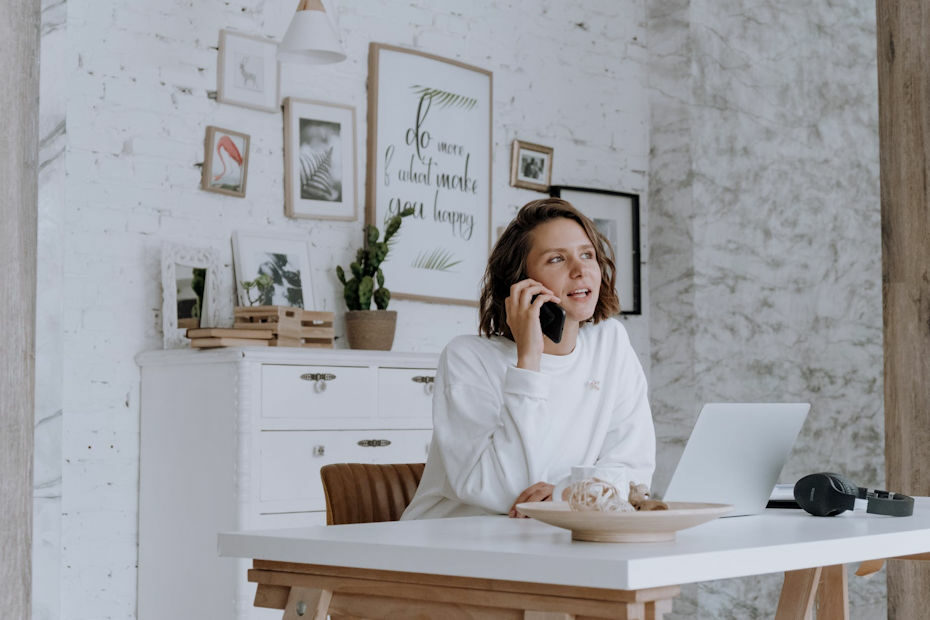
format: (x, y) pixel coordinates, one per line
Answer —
(138, 73)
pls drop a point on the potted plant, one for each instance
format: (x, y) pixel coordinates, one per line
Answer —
(366, 328)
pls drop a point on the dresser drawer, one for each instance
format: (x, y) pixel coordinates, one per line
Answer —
(317, 392)
(290, 461)
(405, 392)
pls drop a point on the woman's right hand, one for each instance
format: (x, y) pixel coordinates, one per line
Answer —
(523, 320)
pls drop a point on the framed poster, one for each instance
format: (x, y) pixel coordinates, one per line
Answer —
(616, 215)
(319, 160)
(247, 71)
(225, 162)
(429, 147)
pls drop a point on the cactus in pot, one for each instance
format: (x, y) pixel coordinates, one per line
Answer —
(367, 329)
(366, 269)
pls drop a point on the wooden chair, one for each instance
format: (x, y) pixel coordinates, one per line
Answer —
(365, 493)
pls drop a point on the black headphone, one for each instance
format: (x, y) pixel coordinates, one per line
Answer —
(827, 495)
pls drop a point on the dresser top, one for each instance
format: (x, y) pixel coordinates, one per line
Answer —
(286, 355)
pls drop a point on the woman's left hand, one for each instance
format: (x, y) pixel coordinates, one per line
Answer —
(539, 492)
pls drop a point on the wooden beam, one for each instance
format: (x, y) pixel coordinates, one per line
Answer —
(308, 604)
(19, 100)
(492, 585)
(834, 594)
(797, 594)
(378, 594)
(903, 27)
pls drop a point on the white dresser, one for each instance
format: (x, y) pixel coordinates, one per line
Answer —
(233, 439)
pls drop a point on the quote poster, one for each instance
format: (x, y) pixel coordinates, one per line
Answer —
(429, 148)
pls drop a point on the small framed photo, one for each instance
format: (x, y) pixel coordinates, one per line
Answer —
(225, 162)
(531, 166)
(190, 291)
(272, 269)
(247, 71)
(319, 160)
(616, 215)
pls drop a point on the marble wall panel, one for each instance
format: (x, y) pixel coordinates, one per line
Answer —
(47, 488)
(781, 298)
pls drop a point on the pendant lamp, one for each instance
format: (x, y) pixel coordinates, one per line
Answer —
(311, 38)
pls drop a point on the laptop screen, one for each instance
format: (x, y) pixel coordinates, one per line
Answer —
(735, 453)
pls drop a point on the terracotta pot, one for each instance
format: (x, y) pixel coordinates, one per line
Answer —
(371, 329)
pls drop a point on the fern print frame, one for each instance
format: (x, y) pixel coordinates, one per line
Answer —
(429, 147)
(320, 178)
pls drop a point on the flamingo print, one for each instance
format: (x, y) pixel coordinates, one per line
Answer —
(226, 143)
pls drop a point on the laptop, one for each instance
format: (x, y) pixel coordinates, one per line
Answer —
(735, 453)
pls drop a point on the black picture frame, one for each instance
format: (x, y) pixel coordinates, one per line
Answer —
(621, 208)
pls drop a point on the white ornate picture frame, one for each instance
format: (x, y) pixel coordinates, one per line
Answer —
(173, 255)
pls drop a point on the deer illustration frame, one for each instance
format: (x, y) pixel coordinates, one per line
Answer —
(248, 71)
(320, 177)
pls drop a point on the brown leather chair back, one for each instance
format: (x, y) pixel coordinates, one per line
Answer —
(364, 493)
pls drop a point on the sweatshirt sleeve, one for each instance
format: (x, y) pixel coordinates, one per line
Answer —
(492, 444)
(629, 449)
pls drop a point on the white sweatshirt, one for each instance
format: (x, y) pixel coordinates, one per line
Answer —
(497, 429)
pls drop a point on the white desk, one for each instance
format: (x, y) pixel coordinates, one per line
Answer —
(530, 552)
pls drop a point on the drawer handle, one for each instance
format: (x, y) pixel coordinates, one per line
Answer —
(319, 450)
(374, 443)
(427, 382)
(319, 379)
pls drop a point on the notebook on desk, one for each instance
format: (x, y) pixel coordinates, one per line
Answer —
(735, 453)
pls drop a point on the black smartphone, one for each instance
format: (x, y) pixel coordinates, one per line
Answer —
(552, 320)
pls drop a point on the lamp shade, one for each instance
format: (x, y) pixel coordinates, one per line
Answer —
(311, 39)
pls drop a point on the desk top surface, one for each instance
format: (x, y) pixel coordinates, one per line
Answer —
(528, 550)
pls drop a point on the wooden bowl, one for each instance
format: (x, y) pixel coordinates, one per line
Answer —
(640, 526)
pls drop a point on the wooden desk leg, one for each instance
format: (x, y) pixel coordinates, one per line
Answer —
(656, 610)
(797, 594)
(307, 604)
(834, 594)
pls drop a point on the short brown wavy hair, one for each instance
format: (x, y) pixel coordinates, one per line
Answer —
(507, 263)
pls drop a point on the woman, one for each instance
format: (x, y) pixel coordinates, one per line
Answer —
(514, 411)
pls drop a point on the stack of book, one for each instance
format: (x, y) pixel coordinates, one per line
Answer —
(274, 326)
(212, 337)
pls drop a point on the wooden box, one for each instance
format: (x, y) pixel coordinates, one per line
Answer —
(291, 327)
